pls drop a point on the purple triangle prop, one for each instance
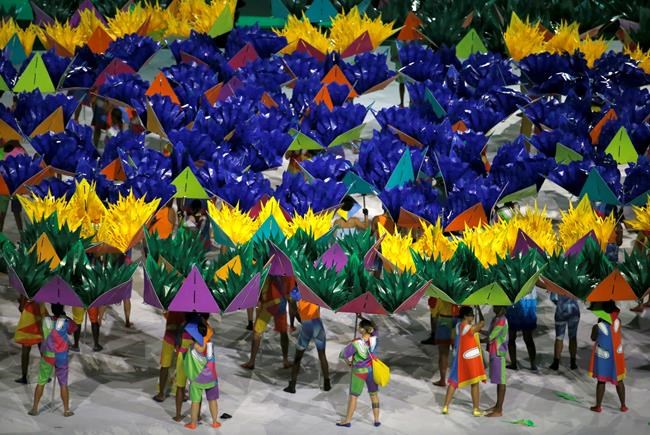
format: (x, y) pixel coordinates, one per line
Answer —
(366, 303)
(247, 297)
(57, 291)
(524, 243)
(577, 246)
(229, 89)
(40, 17)
(369, 258)
(194, 295)
(412, 301)
(15, 282)
(86, 4)
(309, 295)
(149, 295)
(334, 257)
(114, 296)
(280, 263)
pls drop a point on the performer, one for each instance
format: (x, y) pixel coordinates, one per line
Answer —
(447, 318)
(95, 315)
(173, 322)
(54, 356)
(433, 313)
(497, 349)
(312, 329)
(522, 316)
(199, 365)
(273, 304)
(467, 364)
(567, 317)
(28, 333)
(357, 355)
(183, 344)
(607, 358)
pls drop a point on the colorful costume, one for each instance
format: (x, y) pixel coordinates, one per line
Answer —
(567, 316)
(467, 362)
(360, 350)
(28, 332)
(78, 315)
(607, 358)
(447, 315)
(174, 320)
(497, 349)
(274, 305)
(312, 326)
(202, 373)
(522, 316)
(54, 349)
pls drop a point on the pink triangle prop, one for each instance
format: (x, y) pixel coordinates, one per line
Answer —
(86, 4)
(412, 301)
(360, 45)
(308, 295)
(57, 291)
(15, 282)
(366, 303)
(117, 66)
(194, 295)
(334, 257)
(247, 297)
(114, 296)
(523, 243)
(280, 263)
(243, 56)
(229, 89)
(149, 295)
(369, 258)
(40, 17)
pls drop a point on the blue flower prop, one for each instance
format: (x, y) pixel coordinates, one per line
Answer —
(324, 126)
(418, 198)
(327, 166)
(246, 189)
(84, 69)
(17, 169)
(190, 82)
(7, 70)
(615, 72)
(32, 108)
(221, 120)
(483, 72)
(420, 63)
(170, 114)
(145, 162)
(546, 142)
(297, 195)
(637, 179)
(6, 116)
(65, 150)
(303, 65)
(127, 88)
(265, 41)
(198, 145)
(134, 49)
(367, 71)
(267, 73)
(126, 141)
(54, 186)
(514, 168)
(378, 158)
(55, 65)
(204, 48)
(547, 73)
(469, 192)
(409, 122)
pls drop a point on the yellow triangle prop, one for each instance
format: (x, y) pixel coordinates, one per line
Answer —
(224, 271)
(45, 251)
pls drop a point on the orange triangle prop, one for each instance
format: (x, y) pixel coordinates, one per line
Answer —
(99, 40)
(407, 219)
(161, 86)
(323, 96)
(409, 32)
(52, 124)
(162, 222)
(7, 132)
(459, 126)
(114, 171)
(335, 75)
(4, 189)
(612, 288)
(58, 48)
(45, 251)
(408, 140)
(595, 132)
(472, 217)
(268, 101)
(212, 94)
(144, 28)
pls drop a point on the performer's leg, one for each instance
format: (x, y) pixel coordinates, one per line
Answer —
(294, 371)
(600, 393)
(620, 390)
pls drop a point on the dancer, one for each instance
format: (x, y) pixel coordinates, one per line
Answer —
(467, 364)
(28, 333)
(567, 317)
(173, 322)
(312, 329)
(607, 358)
(497, 349)
(522, 316)
(95, 316)
(358, 355)
(54, 356)
(273, 304)
(447, 318)
(433, 318)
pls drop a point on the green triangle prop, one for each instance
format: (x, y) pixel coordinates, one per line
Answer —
(187, 186)
(348, 136)
(269, 230)
(435, 292)
(435, 105)
(223, 23)
(302, 142)
(321, 11)
(403, 172)
(621, 148)
(491, 294)
(565, 155)
(220, 235)
(470, 44)
(640, 200)
(357, 185)
(279, 10)
(598, 190)
(22, 7)
(16, 51)
(519, 195)
(528, 285)
(607, 317)
(35, 77)
(3, 85)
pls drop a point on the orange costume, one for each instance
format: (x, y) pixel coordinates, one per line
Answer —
(467, 365)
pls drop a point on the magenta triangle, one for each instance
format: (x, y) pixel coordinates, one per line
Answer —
(57, 291)
(247, 297)
(334, 257)
(194, 296)
(149, 295)
(114, 296)
(366, 303)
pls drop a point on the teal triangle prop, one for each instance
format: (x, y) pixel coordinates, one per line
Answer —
(220, 235)
(403, 172)
(321, 11)
(598, 190)
(278, 9)
(363, 6)
(16, 51)
(435, 105)
(357, 185)
(269, 230)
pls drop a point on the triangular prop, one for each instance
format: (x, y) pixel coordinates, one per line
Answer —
(149, 295)
(22, 9)
(15, 51)
(435, 105)
(40, 17)
(223, 24)
(303, 142)
(99, 41)
(403, 172)
(491, 294)
(409, 30)
(612, 288)
(598, 190)
(35, 77)
(305, 47)
(162, 222)
(194, 296)
(4, 188)
(269, 230)
(309, 295)
(249, 296)
(242, 57)
(565, 155)
(357, 185)
(335, 75)
(153, 123)
(347, 136)
(412, 301)
(57, 291)
(621, 148)
(472, 217)
(45, 251)
(524, 243)
(366, 303)
(280, 262)
(188, 186)
(86, 4)
(360, 45)
(268, 100)
(470, 44)
(321, 11)
(459, 126)
(576, 248)
(323, 96)
(114, 171)
(7, 132)
(54, 123)
(278, 9)
(115, 67)
(233, 265)
(160, 86)
(212, 94)
(114, 296)
(595, 132)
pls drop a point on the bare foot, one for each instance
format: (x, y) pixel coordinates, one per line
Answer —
(494, 414)
(128, 324)
(33, 412)
(178, 418)
(248, 366)
(287, 365)
(440, 383)
(68, 414)
(159, 397)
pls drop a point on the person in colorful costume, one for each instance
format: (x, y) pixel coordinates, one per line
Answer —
(312, 329)
(95, 315)
(433, 318)
(497, 348)
(183, 344)
(522, 316)
(273, 304)
(467, 363)
(447, 318)
(173, 322)
(607, 358)
(567, 317)
(199, 365)
(28, 333)
(54, 356)
(358, 355)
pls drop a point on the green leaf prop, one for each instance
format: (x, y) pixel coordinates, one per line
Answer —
(469, 265)
(514, 274)
(323, 281)
(6, 249)
(636, 269)
(32, 273)
(570, 273)
(524, 422)
(73, 267)
(357, 242)
(446, 277)
(165, 282)
(104, 274)
(597, 263)
(63, 239)
(183, 250)
(395, 288)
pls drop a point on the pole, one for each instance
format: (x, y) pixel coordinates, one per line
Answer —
(53, 391)
(365, 210)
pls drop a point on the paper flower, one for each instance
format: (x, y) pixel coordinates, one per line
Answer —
(484, 71)
(368, 70)
(593, 49)
(315, 225)
(127, 88)
(303, 66)
(54, 187)
(324, 125)
(348, 27)
(487, 242)
(237, 224)
(555, 73)
(396, 249)
(40, 208)
(565, 39)
(134, 49)
(536, 224)
(9, 28)
(432, 242)
(264, 41)
(327, 166)
(128, 21)
(65, 150)
(420, 62)
(124, 219)
(301, 28)
(523, 38)
(297, 195)
(204, 48)
(15, 170)
(245, 190)
(272, 208)
(32, 108)
(580, 220)
(84, 209)
(637, 180)
(170, 114)
(270, 74)
(7, 70)
(65, 36)
(641, 221)
(642, 57)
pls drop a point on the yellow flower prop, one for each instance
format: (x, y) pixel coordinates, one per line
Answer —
(523, 38)
(488, 242)
(297, 28)
(579, 221)
(9, 28)
(272, 208)
(38, 209)
(537, 225)
(88, 22)
(433, 243)
(593, 49)
(396, 249)
(65, 36)
(124, 219)
(348, 27)
(85, 209)
(126, 22)
(238, 225)
(643, 57)
(566, 39)
(316, 225)
(641, 221)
